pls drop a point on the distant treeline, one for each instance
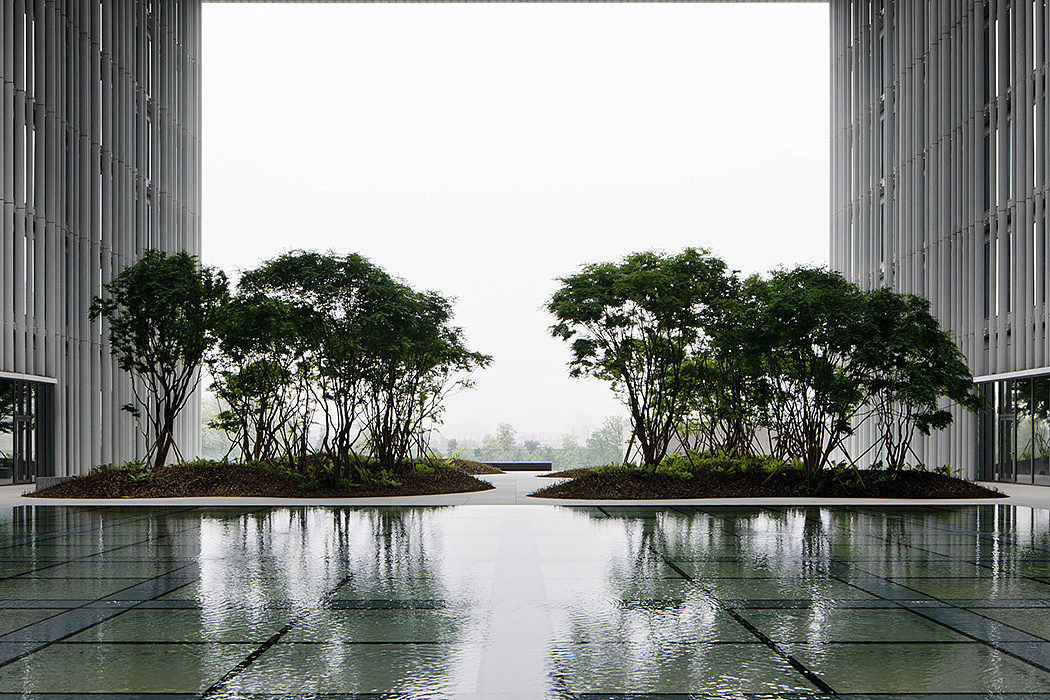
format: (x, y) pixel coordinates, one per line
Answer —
(606, 444)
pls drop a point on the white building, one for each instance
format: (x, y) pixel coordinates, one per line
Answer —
(939, 187)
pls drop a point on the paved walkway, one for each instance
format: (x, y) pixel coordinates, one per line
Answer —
(1021, 495)
(523, 602)
(513, 488)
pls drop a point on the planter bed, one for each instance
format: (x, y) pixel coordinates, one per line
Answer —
(197, 480)
(632, 484)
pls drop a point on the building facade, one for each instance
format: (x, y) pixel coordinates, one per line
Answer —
(938, 176)
(939, 185)
(101, 161)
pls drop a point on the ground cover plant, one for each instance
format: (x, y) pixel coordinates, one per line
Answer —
(215, 478)
(718, 476)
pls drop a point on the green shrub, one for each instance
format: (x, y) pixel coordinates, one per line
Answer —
(677, 466)
(689, 464)
(947, 470)
(138, 471)
(846, 474)
(614, 468)
(425, 468)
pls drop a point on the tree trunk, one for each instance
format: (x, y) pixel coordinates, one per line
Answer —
(163, 447)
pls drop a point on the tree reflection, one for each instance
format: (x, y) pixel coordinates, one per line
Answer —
(363, 597)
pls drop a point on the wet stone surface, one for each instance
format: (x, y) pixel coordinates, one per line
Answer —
(525, 602)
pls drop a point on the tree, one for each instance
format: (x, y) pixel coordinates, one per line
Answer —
(914, 367)
(606, 444)
(506, 438)
(324, 299)
(161, 313)
(636, 324)
(725, 408)
(415, 359)
(570, 455)
(377, 357)
(260, 375)
(807, 327)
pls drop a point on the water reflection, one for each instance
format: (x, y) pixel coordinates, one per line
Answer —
(522, 601)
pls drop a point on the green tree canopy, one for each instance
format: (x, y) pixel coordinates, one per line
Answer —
(725, 406)
(327, 301)
(416, 358)
(160, 315)
(831, 357)
(377, 357)
(635, 324)
(258, 372)
(916, 371)
(807, 326)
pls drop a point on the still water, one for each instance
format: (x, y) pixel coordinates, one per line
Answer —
(524, 602)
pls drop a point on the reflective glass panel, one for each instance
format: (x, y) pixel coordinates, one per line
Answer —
(1041, 430)
(7, 446)
(19, 431)
(1022, 400)
(1005, 433)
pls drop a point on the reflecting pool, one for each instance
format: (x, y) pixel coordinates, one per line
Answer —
(524, 602)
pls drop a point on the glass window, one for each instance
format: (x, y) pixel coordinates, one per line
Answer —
(7, 446)
(1041, 430)
(1008, 148)
(987, 278)
(1004, 438)
(1015, 442)
(987, 171)
(21, 435)
(986, 55)
(1007, 263)
(1022, 400)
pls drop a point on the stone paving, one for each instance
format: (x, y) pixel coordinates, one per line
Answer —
(525, 602)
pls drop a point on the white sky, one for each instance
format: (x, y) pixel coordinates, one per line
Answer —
(482, 150)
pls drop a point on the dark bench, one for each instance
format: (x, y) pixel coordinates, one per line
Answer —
(522, 466)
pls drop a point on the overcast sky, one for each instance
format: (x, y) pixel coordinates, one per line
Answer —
(483, 150)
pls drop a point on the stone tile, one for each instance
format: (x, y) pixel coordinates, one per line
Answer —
(404, 670)
(153, 625)
(724, 669)
(920, 668)
(1034, 621)
(999, 588)
(121, 668)
(844, 625)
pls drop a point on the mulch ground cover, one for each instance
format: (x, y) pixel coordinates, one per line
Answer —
(632, 485)
(469, 466)
(249, 480)
(567, 473)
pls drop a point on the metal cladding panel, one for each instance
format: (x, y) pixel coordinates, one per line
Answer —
(101, 160)
(939, 175)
